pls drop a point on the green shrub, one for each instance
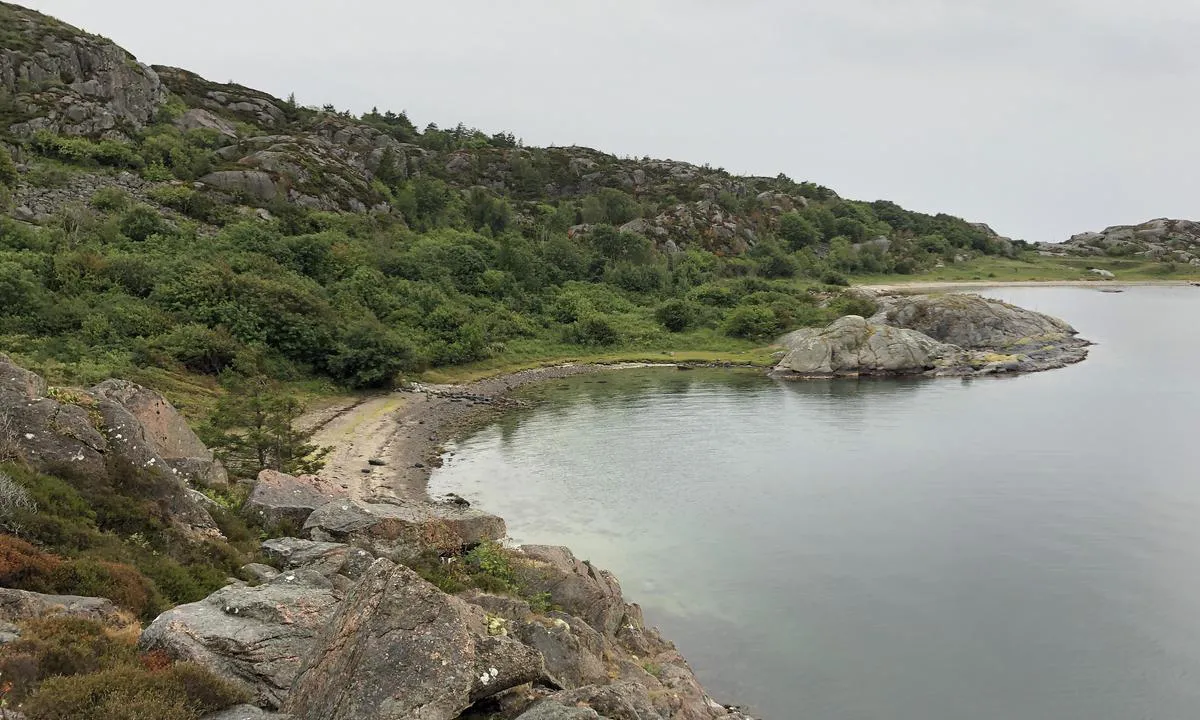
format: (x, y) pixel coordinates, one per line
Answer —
(8, 169)
(123, 584)
(194, 204)
(833, 277)
(677, 315)
(140, 222)
(854, 305)
(594, 329)
(371, 356)
(753, 322)
(82, 151)
(110, 199)
(134, 692)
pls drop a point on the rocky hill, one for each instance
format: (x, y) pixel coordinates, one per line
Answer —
(243, 147)
(1164, 240)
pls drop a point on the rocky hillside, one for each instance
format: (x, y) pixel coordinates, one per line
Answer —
(244, 147)
(1168, 241)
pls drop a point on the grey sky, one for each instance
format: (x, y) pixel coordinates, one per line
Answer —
(1041, 117)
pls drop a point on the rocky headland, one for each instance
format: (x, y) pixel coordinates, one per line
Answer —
(933, 335)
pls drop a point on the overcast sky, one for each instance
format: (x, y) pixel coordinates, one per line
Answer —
(1042, 118)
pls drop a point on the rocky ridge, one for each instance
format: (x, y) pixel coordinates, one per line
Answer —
(1163, 239)
(267, 150)
(933, 335)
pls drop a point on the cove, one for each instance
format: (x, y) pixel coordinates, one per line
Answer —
(990, 548)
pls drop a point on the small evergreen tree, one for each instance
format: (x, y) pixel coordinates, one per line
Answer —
(253, 429)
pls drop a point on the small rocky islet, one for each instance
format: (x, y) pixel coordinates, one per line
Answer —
(946, 335)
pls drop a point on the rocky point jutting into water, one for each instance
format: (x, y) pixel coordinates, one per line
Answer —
(936, 335)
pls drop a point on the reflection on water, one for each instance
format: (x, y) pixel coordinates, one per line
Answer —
(935, 549)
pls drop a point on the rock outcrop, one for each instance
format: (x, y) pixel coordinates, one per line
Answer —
(413, 652)
(67, 81)
(18, 605)
(255, 636)
(93, 434)
(280, 498)
(334, 612)
(1164, 240)
(401, 530)
(165, 432)
(854, 346)
(946, 335)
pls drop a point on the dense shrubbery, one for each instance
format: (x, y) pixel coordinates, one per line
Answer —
(66, 668)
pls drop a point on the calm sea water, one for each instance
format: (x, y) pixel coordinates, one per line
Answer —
(994, 549)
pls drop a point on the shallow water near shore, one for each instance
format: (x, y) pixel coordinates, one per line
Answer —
(991, 549)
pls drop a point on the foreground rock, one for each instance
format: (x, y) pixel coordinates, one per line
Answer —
(279, 498)
(255, 636)
(412, 651)
(944, 335)
(402, 531)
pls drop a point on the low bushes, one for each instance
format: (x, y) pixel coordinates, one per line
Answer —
(66, 668)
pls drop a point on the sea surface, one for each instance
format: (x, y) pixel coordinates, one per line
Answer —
(1021, 548)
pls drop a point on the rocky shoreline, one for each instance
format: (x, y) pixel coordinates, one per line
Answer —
(552, 639)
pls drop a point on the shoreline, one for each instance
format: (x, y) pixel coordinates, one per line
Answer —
(408, 428)
(1098, 283)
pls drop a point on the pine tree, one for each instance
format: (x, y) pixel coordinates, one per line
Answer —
(253, 429)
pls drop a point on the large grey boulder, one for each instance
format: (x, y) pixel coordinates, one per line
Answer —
(401, 531)
(328, 559)
(255, 185)
(18, 605)
(409, 651)
(855, 346)
(551, 709)
(200, 119)
(245, 712)
(281, 498)
(255, 636)
(971, 322)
